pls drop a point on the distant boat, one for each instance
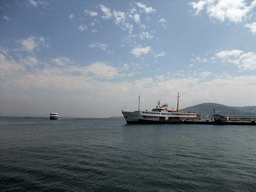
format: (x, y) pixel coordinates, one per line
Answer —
(54, 116)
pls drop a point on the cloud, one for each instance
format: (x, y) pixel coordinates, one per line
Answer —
(136, 17)
(160, 55)
(83, 28)
(119, 16)
(31, 43)
(245, 61)
(102, 46)
(6, 17)
(146, 9)
(129, 27)
(233, 11)
(130, 74)
(72, 93)
(62, 61)
(225, 54)
(252, 27)
(30, 61)
(205, 74)
(145, 35)
(126, 67)
(71, 16)
(162, 20)
(9, 68)
(139, 51)
(102, 70)
(198, 6)
(91, 13)
(107, 12)
(36, 3)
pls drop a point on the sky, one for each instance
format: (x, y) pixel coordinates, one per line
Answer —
(93, 58)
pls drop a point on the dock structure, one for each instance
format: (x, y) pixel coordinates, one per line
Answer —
(217, 120)
(234, 119)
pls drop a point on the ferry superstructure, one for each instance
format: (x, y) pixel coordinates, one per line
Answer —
(54, 116)
(159, 114)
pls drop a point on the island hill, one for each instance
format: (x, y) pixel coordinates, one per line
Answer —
(207, 110)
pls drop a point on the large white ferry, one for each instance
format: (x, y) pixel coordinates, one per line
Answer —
(160, 114)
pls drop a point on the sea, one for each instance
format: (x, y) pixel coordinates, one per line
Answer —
(93, 154)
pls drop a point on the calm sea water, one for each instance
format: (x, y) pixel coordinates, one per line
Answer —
(69, 154)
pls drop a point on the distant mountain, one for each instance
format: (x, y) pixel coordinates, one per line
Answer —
(206, 109)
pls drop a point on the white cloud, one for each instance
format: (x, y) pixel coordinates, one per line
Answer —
(91, 13)
(6, 17)
(205, 74)
(30, 61)
(130, 27)
(107, 12)
(162, 20)
(139, 51)
(126, 67)
(34, 3)
(248, 61)
(145, 35)
(102, 70)
(160, 55)
(102, 46)
(252, 27)
(131, 74)
(83, 28)
(145, 8)
(97, 81)
(225, 54)
(119, 16)
(136, 18)
(62, 61)
(31, 43)
(234, 11)
(245, 61)
(71, 16)
(133, 10)
(198, 6)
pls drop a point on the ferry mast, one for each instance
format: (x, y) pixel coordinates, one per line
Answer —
(178, 102)
(139, 104)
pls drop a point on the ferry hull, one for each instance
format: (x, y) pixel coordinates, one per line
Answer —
(137, 117)
(141, 121)
(53, 118)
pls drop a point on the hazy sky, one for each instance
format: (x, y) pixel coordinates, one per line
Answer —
(91, 58)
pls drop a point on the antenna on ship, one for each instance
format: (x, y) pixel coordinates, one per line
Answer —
(178, 102)
(139, 104)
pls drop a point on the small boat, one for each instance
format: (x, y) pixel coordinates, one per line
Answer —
(54, 116)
